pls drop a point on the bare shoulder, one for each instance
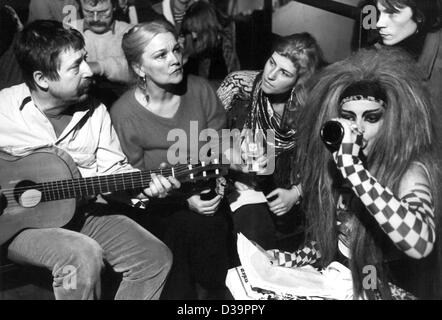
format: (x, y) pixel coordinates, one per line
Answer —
(415, 178)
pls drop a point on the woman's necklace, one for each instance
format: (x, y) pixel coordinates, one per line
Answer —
(263, 116)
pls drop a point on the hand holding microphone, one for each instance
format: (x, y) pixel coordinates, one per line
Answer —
(332, 133)
(337, 131)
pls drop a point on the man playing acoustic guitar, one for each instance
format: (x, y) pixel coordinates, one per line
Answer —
(53, 109)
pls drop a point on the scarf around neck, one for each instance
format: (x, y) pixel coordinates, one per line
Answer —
(263, 117)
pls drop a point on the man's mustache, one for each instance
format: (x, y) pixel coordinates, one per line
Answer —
(97, 24)
(86, 85)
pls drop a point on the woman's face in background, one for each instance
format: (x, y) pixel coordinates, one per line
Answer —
(162, 60)
(395, 27)
(279, 76)
(368, 117)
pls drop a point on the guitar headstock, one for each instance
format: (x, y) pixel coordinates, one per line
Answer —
(200, 171)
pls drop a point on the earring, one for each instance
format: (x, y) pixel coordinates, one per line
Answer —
(146, 95)
(419, 22)
(142, 82)
(292, 104)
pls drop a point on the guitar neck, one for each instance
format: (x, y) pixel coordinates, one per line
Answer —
(83, 187)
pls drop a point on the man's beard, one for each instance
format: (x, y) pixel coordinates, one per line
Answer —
(83, 91)
(85, 86)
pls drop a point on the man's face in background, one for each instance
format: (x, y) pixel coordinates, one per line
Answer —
(99, 17)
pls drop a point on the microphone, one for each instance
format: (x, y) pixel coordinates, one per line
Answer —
(332, 133)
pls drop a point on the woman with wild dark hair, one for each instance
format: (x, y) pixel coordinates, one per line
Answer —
(373, 201)
(270, 100)
(415, 25)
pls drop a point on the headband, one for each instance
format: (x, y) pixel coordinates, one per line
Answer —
(364, 90)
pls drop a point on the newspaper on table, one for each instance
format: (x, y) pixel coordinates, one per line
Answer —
(258, 279)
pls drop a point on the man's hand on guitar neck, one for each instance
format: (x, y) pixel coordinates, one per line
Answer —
(159, 187)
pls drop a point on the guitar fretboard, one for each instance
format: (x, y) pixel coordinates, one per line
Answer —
(82, 187)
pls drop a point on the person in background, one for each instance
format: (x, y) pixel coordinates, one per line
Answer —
(174, 11)
(416, 26)
(136, 11)
(103, 35)
(10, 25)
(209, 42)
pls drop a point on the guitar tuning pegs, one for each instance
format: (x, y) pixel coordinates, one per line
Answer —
(190, 169)
(216, 161)
(203, 164)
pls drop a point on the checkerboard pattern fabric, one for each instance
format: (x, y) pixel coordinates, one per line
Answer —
(309, 254)
(409, 222)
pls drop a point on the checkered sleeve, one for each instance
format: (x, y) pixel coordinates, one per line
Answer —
(409, 221)
(309, 254)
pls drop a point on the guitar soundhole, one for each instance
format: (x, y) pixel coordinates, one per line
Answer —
(26, 194)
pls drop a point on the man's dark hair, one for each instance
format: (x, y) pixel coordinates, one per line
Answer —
(39, 45)
(426, 13)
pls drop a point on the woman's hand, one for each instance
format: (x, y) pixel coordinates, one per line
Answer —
(160, 186)
(286, 199)
(352, 135)
(204, 207)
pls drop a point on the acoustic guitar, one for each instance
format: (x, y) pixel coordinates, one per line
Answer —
(41, 189)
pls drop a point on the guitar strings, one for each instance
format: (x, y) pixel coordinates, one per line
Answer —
(118, 178)
(73, 186)
(10, 195)
(73, 182)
